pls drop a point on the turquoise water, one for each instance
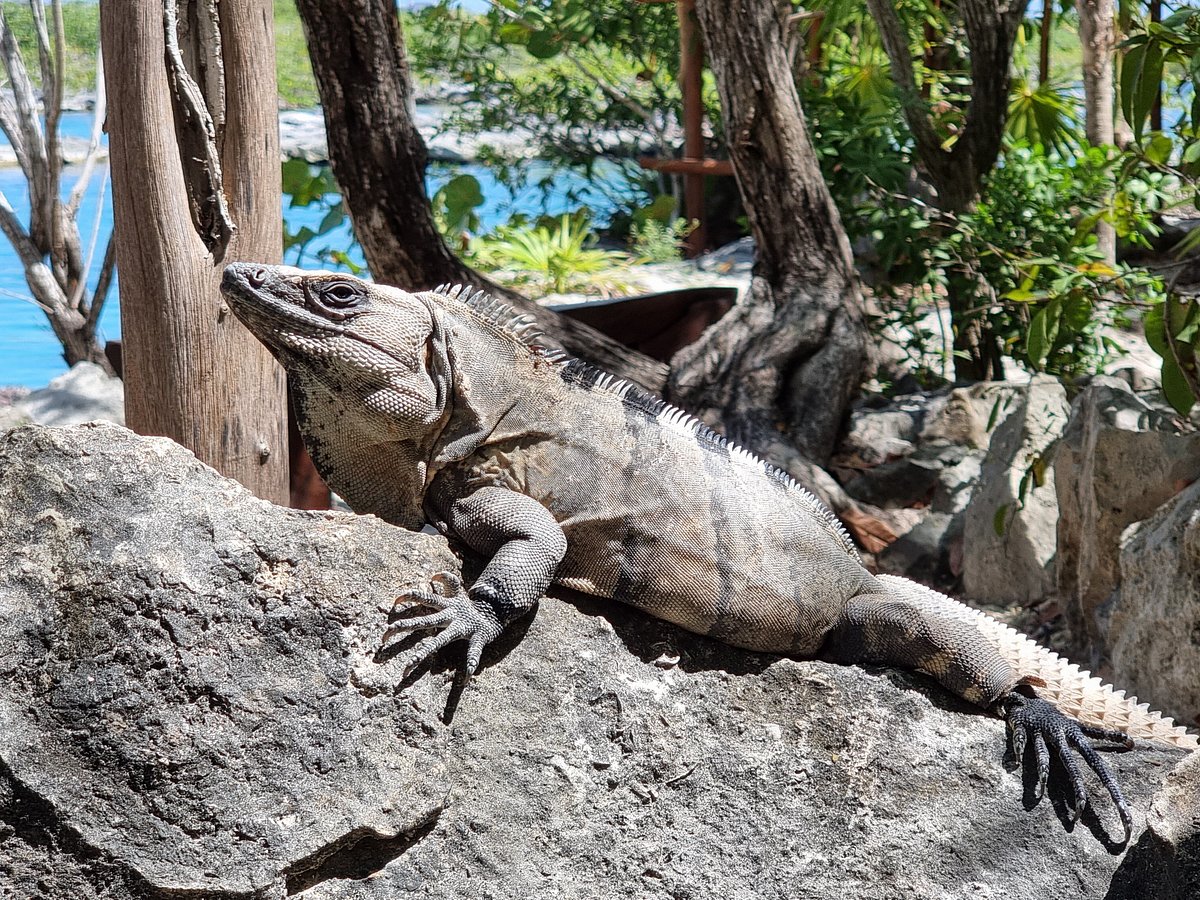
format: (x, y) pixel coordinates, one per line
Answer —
(30, 355)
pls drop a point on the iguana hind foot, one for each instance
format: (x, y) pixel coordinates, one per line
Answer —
(1032, 719)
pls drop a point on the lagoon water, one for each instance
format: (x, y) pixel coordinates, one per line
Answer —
(30, 354)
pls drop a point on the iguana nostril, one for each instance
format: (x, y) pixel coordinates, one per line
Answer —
(257, 277)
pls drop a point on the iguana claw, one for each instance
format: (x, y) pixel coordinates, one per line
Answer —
(1031, 717)
(456, 615)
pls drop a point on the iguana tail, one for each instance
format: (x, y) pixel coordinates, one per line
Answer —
(1076, 692)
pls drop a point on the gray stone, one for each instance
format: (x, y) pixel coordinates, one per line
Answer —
(179, 665)
(85, 393)
(1164, 864)
(1009, 537)
(1154, 621)
(1119, 459)
(191, 705)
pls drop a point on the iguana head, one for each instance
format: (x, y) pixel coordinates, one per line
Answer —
(379, 348)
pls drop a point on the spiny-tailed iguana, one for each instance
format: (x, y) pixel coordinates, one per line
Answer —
(442, 407)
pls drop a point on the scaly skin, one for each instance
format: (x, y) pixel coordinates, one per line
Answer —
(441, 407)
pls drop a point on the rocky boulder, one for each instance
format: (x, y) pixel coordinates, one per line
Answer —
(1119, 460)
(1165, 861)
(1153, 620)
(1009, 537)
(191, 705)
(85, 393)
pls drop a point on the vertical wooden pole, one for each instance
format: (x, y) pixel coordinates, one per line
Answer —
(691, 70)
(192, 371)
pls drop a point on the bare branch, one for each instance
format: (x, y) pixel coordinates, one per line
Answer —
(198, 146)
(86, 265)
(27, 120)
(99, 111)
(102, 284)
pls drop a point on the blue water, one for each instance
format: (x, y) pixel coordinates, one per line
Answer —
(30, 355)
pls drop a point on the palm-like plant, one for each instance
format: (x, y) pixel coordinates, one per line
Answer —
(560, 258)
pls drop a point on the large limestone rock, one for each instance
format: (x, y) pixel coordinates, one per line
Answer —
(1118, 461)
(1009, 536)
(191, 705)
(1154, 621)
(85, 393)
(1165, 861)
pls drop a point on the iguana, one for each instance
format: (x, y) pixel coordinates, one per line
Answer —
(442, 407)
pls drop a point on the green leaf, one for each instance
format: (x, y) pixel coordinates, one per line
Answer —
(1156, 336)
(1000, 520)
(1175, 386)
(1158, 151)
(544, 44)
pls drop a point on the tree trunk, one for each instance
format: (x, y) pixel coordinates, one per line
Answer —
(1044, 41)
(378, 158)
(957, 173)
(194, 145)
(1098, 39)
(790, 355)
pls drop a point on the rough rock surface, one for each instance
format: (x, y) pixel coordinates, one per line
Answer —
(190, 706)
(1009, 538)
(85, 393)
(1154, 620)
(1119, 459)
(1167, 855)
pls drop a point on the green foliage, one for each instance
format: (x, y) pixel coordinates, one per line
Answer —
(570, 73)
(81, 26)
(557, 259)
(655, 241)
(293, 69)
(1043, 114)
(1173, 332)
(310, 185)
(454, 207)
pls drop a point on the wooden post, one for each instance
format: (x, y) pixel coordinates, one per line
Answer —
(192, 371)
(691, 73)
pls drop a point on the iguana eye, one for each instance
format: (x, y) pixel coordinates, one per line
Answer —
(340, 294)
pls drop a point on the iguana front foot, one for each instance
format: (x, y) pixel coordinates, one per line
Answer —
(1031, 717)
(457, 612)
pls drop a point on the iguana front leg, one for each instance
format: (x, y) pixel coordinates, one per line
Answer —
(524, 545)
(911, 629)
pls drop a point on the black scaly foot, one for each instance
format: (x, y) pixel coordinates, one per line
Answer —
(1034, 720)
(456, 616)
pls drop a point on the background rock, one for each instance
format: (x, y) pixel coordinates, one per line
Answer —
(190, 702)
(1015, 562)
(1118, 461)
(85, 393)
(1165, 861)
(1154, 620)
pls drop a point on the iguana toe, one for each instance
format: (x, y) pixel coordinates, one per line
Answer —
(1036, 720)
(456, 616)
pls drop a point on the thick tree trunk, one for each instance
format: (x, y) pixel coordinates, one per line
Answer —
(1098, 39)
(790, 355)
(192, 372)
(378, 157)
(957, 173)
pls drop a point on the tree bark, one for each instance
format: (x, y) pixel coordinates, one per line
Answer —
(1098, 39)
(957, 173)
(378, 158)
(790, 355)
(192, 372)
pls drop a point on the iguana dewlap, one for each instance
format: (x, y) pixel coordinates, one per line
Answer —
(441, 407)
